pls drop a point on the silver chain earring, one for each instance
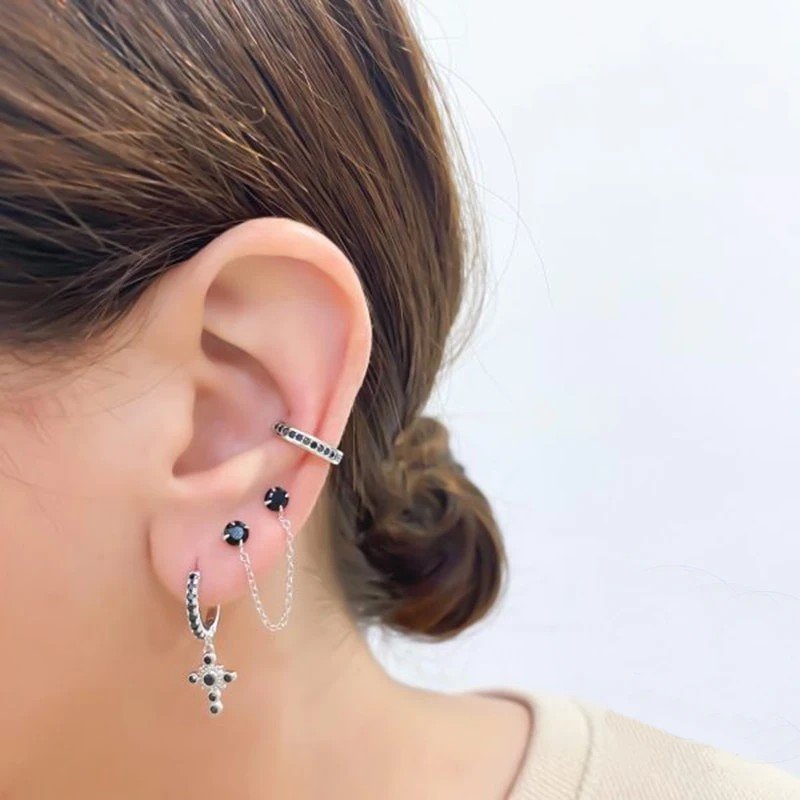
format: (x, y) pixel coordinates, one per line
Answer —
(236, 533)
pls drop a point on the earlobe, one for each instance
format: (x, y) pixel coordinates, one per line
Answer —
(268, 324)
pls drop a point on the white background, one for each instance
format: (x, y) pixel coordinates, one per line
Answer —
(631, 402)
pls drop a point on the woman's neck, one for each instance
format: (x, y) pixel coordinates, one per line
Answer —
(312, 714)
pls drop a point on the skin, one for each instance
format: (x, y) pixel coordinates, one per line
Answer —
(118, 472)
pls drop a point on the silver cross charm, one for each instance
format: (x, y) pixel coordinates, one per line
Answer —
(213, 678)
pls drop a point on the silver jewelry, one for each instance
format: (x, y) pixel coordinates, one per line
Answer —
(212, 677)
(236, 533)
(313, 444)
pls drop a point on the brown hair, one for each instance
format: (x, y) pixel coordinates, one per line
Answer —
(132, 133)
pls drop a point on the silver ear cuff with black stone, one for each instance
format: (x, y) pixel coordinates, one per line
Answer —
(306, 441)
(211, 677)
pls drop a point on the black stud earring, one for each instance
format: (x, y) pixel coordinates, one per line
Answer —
(236, 532)
(276, 498)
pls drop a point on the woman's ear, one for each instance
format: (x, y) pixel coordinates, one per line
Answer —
(268, 322)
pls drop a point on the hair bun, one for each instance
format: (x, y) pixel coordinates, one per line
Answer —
(432, 537)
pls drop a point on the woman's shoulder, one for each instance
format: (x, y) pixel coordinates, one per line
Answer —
(581, 750)
(629, 758)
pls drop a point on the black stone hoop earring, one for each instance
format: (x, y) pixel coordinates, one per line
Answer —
(211, 677)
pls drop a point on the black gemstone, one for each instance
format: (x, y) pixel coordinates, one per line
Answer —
(193, 678)
(214, 709)
(207, 659)
(306, 440)
(227, 677)
(276, 497)
(236, 532)
(291, 434)
(208, 679)
(213, 697)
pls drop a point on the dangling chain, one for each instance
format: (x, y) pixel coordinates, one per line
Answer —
(251, 578)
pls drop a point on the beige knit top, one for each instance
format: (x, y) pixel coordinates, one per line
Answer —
(582, 751)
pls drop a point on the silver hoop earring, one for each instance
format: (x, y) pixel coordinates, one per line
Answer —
(236, 533)
(211, 677)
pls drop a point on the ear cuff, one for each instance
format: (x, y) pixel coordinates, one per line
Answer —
(312, 444)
